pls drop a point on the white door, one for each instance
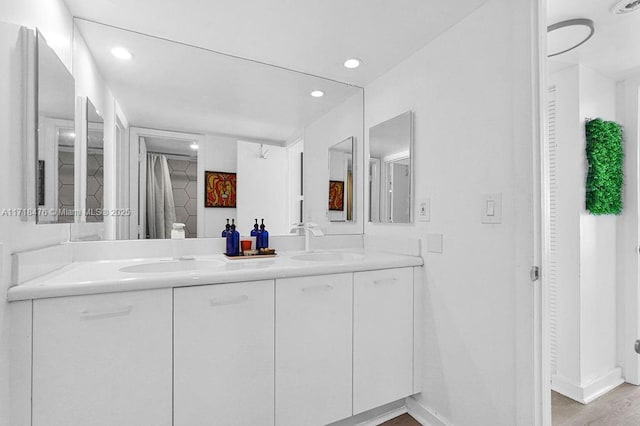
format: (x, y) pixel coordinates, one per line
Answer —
(102, 360)
(382, 337)
(224, 355)
(313, 349)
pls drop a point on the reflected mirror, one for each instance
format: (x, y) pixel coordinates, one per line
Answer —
(56, 137)
(95, 163)
(341, 181)
(230, 138)
(390, 170)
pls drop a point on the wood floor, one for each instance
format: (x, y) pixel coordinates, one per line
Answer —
(620, 407)
(403, 420)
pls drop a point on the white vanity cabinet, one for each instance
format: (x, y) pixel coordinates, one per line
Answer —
(383, 344)
(102, 360)
(224, 354)
(313, 349)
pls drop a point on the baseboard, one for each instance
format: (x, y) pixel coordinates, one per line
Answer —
(422, 414)
(586, 393)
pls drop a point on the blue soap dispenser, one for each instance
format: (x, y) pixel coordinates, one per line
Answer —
(226, 229)
(255, 230)
(233, 240)
(263, 236)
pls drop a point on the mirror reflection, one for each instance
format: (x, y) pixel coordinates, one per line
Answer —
(208, 137)
(56, 137)
(390, 172)
(341, 178)
(95, 164)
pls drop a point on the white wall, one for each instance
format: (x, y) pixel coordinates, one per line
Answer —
(586, 245)
(219, 154)
(54, 19)
(340, 123)
(262, 189)
(471, 91)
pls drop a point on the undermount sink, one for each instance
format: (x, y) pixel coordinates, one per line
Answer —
(327, 257)
(173, 266)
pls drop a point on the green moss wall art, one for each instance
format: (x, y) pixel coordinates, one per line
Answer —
(605, 156)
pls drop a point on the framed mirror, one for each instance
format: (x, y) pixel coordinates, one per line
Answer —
(341, 181)
(391, 170)
(94, 165)
(56, 137)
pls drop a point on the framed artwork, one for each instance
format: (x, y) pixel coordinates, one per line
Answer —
(336, 195)
(219, 189)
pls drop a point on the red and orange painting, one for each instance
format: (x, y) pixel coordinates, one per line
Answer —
(219, 189)
(336, 195)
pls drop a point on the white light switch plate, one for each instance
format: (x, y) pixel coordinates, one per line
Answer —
(424, 210)
(491, 208)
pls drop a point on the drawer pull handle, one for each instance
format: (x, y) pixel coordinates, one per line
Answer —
(387, 281)
(222, 301)
(317, 288)
(88, 315)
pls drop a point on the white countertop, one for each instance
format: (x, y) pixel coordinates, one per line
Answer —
(79, 278)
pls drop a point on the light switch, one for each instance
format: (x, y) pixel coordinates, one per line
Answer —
(424, 210)
(491, 208)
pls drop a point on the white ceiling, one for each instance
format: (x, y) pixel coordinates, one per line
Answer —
(171, 86)
(613, 50)
(305, 35)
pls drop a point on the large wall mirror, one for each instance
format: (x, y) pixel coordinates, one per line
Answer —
(184, 134)
(341, 181)
(56, 137)
(391, 170)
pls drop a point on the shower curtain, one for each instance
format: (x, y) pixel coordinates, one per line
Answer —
(161, 210)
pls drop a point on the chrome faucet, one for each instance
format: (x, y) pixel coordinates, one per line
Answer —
(308, 228)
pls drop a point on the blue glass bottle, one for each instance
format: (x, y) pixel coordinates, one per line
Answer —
(255, 230)
(235, 236)
(226, 229)
(262, 237)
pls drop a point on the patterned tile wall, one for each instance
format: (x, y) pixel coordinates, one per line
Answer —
(65, 186)
(95, 195)
(184, 174)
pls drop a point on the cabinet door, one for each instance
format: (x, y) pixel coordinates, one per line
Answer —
(313, 349)
(382, 337)
(102, 360)
(223, 354)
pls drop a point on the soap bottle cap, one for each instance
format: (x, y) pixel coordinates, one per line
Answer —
(227, 226)
(255, 226)
(262, 225)
(233, 224)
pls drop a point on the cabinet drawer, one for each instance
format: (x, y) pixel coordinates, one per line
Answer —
(224, 354)
(382, 337)
(102, 359)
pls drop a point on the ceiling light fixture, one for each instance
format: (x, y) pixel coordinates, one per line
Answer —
(194, 146)
(121, 53)
(567, 35)
(317, 93)
(625, 6)
(354, 62)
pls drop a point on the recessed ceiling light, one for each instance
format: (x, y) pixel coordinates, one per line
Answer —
(121, 53)
(194, 146)
(352, 63)
(317, 93)
(567, 35)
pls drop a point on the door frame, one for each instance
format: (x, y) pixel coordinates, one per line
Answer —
(135, 133)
